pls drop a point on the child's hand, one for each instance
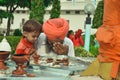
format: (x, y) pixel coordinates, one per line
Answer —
(36, 58)
(32, 51)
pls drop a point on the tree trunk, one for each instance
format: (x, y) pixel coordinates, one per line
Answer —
(8, 27)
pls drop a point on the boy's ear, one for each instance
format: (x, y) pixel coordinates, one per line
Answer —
(24, 33)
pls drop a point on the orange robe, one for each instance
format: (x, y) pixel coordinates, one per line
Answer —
(108, 36)
(24, 47)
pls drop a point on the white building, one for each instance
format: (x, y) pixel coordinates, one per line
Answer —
(71, 10)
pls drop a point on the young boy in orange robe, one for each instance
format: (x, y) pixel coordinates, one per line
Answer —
(31, 32)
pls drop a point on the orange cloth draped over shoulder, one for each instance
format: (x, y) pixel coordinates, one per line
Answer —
(24, 47)
(108, 36)
(56, 28)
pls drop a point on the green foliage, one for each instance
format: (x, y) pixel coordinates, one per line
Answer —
(37, 10)
(94, 50)
(47, 2)
(91, 39)
(55, 12)
(81, 52)
(11, 6)
(15, 3)
(17, 32)
(1, 37)
(98, 16)
(4, 14)
(13, 41)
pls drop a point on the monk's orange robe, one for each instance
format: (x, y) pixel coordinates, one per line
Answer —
(108, 36)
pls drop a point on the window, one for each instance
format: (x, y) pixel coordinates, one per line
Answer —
(23, 11)
(17, 11)
(77, 12)
(82, 12)
(23, 21)
(67, 12)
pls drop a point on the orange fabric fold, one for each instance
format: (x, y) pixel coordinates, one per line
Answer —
(24, 47)
(114, 69)
(108, 36)
(111, 12)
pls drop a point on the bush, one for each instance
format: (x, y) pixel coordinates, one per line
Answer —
(1, 37)
(81, 52)
(17, 32)
(94, 50)
(13, 41)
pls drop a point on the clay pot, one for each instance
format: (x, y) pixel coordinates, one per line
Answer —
(49, 60)
(3, 56)
(58, 61)
(20, 59)
(36, 58)
(65, 61)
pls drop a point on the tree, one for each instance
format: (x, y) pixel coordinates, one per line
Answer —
(3, 14)
(37, 10)
(47, 3)
(98, 16)
(55, 11)
(11, 6)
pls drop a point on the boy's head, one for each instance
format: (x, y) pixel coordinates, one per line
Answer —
(31, 30)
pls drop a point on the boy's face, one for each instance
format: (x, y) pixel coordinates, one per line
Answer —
(32, 36)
